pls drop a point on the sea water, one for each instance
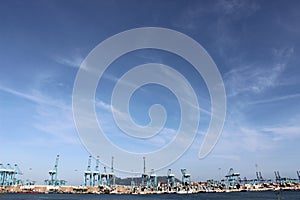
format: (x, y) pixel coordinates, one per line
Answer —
(270, 195)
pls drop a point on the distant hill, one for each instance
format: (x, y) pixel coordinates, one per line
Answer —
(138, 180)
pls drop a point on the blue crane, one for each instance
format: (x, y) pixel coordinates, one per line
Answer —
(54, 174)
(2, 174)
(17, 172)
(145, 175)
(153, 179)
(9, 177)
(104, 177)
(96, 173)
(232, 178)
(111, 175)
(170, 179)
(186, 178)
(277, 176)
(88, 173)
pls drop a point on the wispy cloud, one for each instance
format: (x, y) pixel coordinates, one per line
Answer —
(165, 74)
(255, 139)
(256, 78)
(251, 78)
(285, 132)
(56, 122)
(165, 136)
(36, 97)
(186, 19)
(51, 116)
(237, 8)
(191, 17)
(283, 53)
(73, 60)
(226, 157)
(275, 99)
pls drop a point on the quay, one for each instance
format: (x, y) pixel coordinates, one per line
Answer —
(162, 188)
(102, 182)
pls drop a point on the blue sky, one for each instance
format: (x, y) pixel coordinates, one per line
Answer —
(255, 45)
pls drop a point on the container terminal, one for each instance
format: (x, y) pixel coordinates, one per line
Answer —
(102, 182)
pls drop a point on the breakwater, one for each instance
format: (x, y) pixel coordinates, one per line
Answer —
(193, 188)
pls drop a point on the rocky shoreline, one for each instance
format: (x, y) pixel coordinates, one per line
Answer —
(194, 187)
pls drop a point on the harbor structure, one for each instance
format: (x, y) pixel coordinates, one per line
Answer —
(103, 183)
(186, 178)
(232, 179)
(53, 174)
(145, 176)
(88, 173)
(152, 179)
(111, 175)
(96, 174)
(170, 178)
(9, 175)
(104, 177)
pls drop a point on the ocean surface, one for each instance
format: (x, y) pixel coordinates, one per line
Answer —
(287, 195)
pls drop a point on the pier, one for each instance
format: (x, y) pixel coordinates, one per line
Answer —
(100, 182)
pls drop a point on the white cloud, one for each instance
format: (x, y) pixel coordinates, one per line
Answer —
(252, 78)
(73, 60)
(165, 136)
(285, 132)
(226, 157)
(36, 97)
(56, 122)
(51, 116)
(240, 141)
(275, 99)
(237, 8)
(283, 53)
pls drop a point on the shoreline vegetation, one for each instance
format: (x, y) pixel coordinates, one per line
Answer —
(194, 187)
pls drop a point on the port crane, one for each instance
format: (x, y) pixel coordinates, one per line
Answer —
(277, 176)
(232, 178)
(259, 177)
(153, 179)
(53, 173)
(104, 177)
(111, 175)
(96, 173)
(17, 172)
(9, 175)
(170, 178)
(186, 178)
(88, 173)
(2, 174)
(145, 176)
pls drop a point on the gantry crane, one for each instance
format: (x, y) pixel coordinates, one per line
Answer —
(153, 179)
(17, 172)
(277, 176)
(111, 175)
(145, 175)
(232, 178)
(186, 178)
(9, 175)
(96, 173)
(170, 178)
(53, 174)
(104, 177)
(88, 173)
